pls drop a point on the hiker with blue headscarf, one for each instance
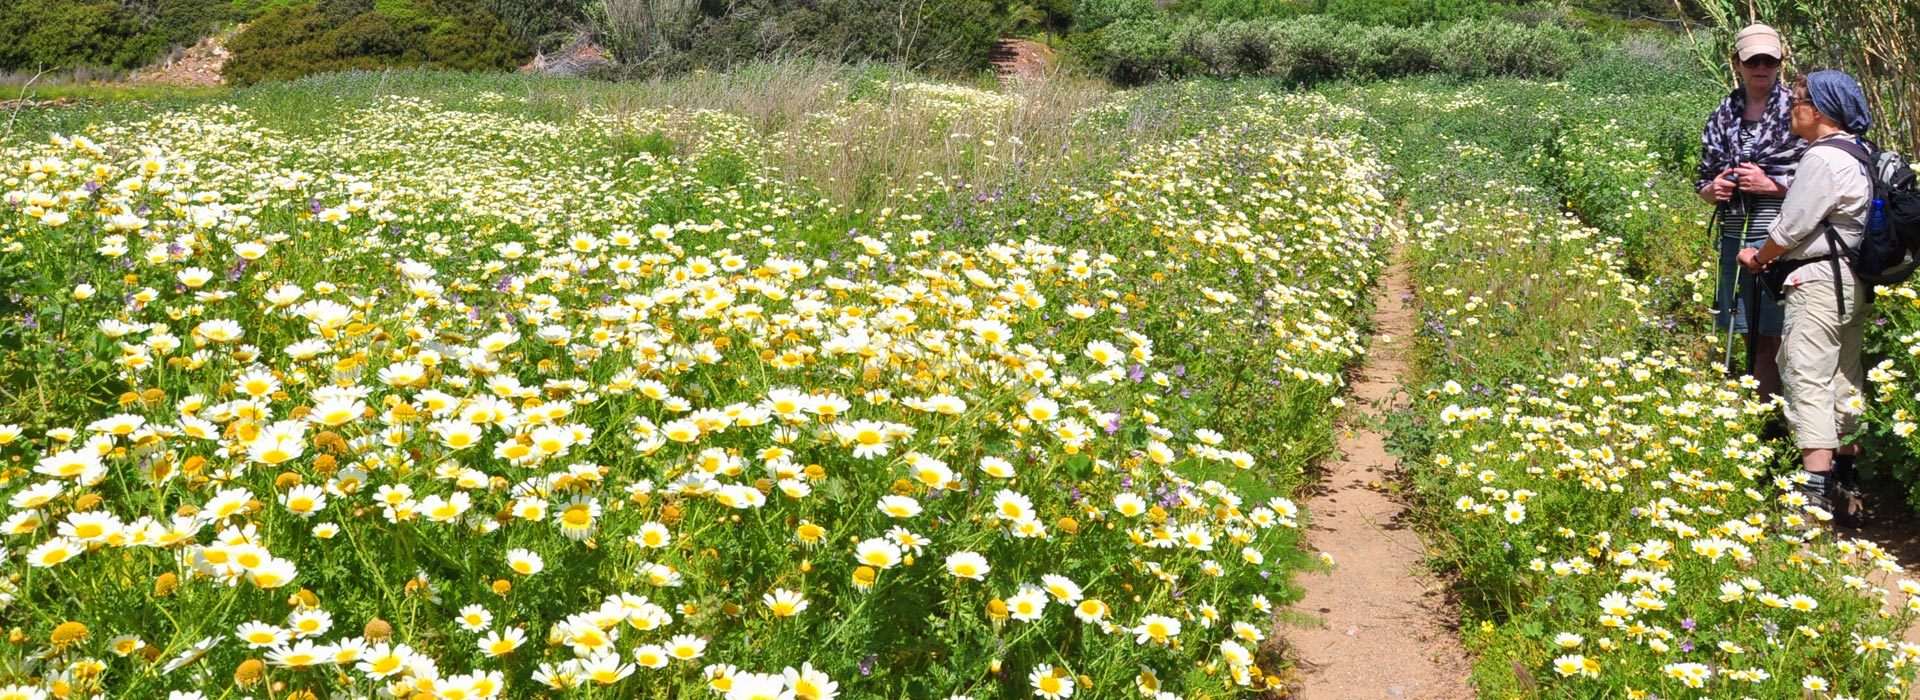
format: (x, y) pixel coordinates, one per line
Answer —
(1826, 307)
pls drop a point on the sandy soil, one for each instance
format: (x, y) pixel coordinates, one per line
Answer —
(196, 66)
(1383, 625)
(1021, 58)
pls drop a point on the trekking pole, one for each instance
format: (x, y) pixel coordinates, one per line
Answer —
(1753, 293)
(1732, 271)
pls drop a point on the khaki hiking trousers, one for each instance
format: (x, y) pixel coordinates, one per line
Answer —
(1820, 368)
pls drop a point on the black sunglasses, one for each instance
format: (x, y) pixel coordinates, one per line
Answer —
(1761, 62)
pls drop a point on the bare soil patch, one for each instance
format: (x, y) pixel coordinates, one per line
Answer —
(1384, 628)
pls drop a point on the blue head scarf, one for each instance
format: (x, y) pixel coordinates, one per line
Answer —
(1836, 95)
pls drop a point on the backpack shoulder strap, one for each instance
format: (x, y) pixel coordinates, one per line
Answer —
(1850, 147)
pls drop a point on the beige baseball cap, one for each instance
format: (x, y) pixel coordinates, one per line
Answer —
(1758, 40)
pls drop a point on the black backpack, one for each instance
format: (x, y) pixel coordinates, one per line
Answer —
(1888, 256)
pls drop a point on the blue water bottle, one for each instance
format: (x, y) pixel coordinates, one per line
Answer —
(1877, 219)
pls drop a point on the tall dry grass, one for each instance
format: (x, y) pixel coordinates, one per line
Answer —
(866, 134)
(1877, 41)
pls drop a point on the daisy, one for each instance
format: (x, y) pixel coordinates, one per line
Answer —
(1061, 588)
(1091, 611)
(869, 438)
(524, 562)
(1157, 629)
(605, 669)
(305, 500)
(878, 553)
(474, 618)
(1011, 505)
(499, 643)
(996, 467)
(1051, 683)
(808, 683)
(301, 654)
(1027, 605)
(260, 635)
(91, 526)
(309, 623)
(54, 551)
(968, 565)
(190, 655)
(651, 656)
(686, 647)
(899, 507)
(785, 603)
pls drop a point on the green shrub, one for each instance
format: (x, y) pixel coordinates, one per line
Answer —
(1245, 9)
(1406, 13)
(293, 41)
(1480, 48)
(56, 34)
(1318, 48)
(939, 36)
(538, 23)
(1141, 50)
(1089, 15)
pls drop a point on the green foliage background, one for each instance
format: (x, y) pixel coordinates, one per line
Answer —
(50, 34)
(330, 35)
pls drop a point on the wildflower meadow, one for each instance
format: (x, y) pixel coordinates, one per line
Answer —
(850, 383)
(446, 401)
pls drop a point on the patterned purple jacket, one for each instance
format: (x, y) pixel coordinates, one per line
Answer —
(1776, 150)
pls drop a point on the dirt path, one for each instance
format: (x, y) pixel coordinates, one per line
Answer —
(1383, 632)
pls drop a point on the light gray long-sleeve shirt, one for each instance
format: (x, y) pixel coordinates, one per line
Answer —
(1830, 187)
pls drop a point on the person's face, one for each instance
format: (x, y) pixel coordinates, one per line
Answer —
(1803, 113)
(1760, 72)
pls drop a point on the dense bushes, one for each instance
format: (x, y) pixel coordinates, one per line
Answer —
(942, 36)
(539, 23)
(1406, 13)
(292, 41)
(1316, 48)
(52, 34)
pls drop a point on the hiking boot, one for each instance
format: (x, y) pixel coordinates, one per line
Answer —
(1816, 489)
(1848, 499)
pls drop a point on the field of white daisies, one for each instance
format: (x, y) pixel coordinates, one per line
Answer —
(807, 383)
(328, 392)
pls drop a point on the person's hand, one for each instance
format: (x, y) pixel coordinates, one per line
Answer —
(1755, 180)
(1749, 258)
(1719, 190)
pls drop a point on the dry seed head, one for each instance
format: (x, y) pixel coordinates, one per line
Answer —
(250, 672)
(68, 633)
(165, 584)
(377, 630)
(304, 599)
(330, 441)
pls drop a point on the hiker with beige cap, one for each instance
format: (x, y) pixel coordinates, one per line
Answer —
(1747, 161)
